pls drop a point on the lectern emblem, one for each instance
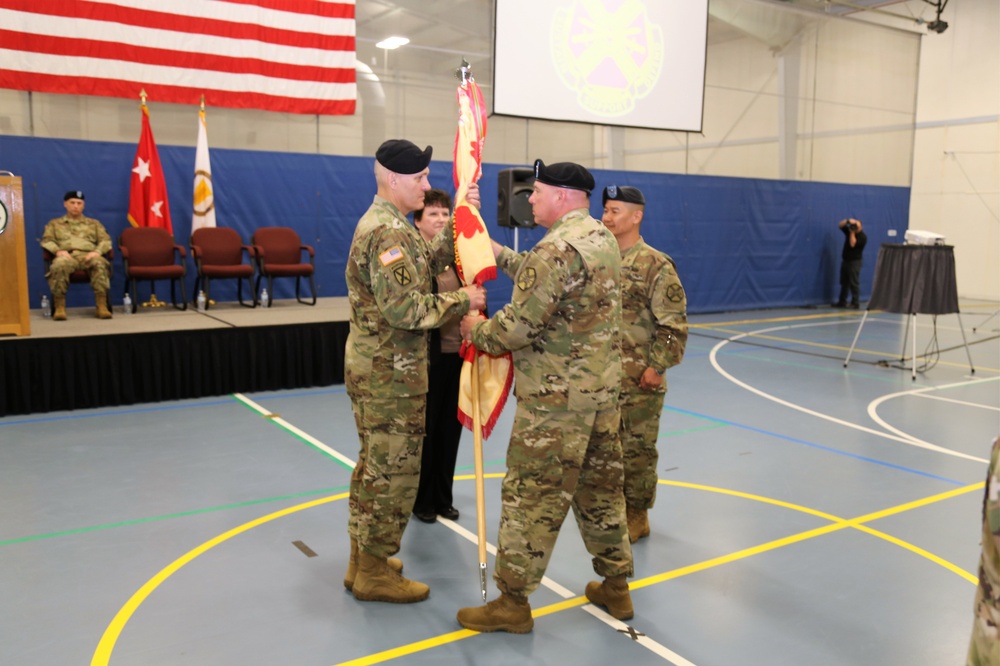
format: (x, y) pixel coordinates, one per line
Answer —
(3, 217)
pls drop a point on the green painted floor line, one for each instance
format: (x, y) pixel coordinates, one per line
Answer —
(169, 516)
(485, 464)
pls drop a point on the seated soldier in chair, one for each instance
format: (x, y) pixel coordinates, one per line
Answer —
(77, 243)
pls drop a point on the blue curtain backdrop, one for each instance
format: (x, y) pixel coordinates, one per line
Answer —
(739, 243)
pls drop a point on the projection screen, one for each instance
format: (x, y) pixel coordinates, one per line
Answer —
(635, 63)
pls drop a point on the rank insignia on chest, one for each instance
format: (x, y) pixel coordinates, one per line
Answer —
(526, 279)
(402, 275)
(391, 255)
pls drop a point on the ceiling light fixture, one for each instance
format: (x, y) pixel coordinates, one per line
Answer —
(393, 42)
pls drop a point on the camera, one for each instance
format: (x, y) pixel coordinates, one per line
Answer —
(853, 226)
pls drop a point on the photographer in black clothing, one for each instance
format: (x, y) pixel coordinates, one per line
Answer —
(850, 265)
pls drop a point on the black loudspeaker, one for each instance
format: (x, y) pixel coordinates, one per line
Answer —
(513, 190)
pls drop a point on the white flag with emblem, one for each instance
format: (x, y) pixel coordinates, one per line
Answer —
(204, 194)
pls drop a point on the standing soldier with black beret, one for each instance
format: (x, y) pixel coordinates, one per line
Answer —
(77, 242)
(654, 334)
(390, 271)
(562, 326)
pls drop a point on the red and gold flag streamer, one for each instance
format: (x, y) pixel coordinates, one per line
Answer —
(475, 261)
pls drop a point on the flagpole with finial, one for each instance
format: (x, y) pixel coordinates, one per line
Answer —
(211, 301)
(464, 74)
(153, 301)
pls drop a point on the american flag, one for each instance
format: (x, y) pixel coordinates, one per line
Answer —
(292, 56)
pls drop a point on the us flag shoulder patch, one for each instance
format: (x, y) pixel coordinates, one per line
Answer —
(391, 255)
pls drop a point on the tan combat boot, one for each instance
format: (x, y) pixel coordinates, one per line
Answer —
(613, 595)
(60, 303)
(394, 563)
(507, 612)
(376, 581)
(101, 298)
(638, 523)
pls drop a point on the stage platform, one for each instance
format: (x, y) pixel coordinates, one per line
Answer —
(167, 354)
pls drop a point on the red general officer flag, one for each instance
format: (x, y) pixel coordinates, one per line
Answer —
(147, 204)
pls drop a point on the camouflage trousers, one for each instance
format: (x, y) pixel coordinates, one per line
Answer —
(61, 268)
(984, 647)
(556, 461)
(639, 432)
(385, 478)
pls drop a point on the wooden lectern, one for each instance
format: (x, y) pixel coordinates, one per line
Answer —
(13, 262)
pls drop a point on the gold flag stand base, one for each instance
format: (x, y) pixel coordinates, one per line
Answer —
(154, 302)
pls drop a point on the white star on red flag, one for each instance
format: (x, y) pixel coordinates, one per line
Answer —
(142, 169)
(148, 205)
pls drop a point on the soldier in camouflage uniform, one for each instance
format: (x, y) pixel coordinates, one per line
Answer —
(984, 648)
(562, 325)
(654, 333)
(390, 270)
(77, 242)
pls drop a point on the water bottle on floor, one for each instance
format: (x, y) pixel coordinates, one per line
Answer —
(46, 310)
(265, 300)
(127, 305)
(201, 301)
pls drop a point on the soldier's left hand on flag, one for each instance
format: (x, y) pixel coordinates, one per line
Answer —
(477, 296)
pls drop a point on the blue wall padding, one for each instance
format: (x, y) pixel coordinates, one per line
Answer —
(739, 243)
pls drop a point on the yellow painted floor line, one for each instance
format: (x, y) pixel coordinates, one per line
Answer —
(102, 655)
(837, 524)
(107, 643)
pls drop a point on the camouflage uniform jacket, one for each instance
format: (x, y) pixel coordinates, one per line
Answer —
(390, 270)
(82, 235)
(563, 321)
(654, 314)
(989, 561)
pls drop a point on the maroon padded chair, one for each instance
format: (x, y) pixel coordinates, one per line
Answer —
(79, 276)
(149, 253)
(278, 253)
(218, 255)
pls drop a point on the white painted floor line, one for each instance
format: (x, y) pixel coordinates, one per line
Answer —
(628, 631)
(960, 402)
(547, 582)
(897, 436)
(285, 424)
(922, 392)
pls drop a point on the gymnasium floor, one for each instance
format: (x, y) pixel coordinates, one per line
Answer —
(807, 514)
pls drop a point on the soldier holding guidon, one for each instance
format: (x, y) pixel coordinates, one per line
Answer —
(390, 271)
(562, 326)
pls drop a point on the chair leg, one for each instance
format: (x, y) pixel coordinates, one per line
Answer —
(184, 296)
(208, 294)
(312, 287)
(173, 298)
(270, 291)
(239, 292)
(194, 292)
(135, 300)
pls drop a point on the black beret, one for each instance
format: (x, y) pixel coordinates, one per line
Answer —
(402, 156)
(623, 193)
(564, 174)
(73, 194)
